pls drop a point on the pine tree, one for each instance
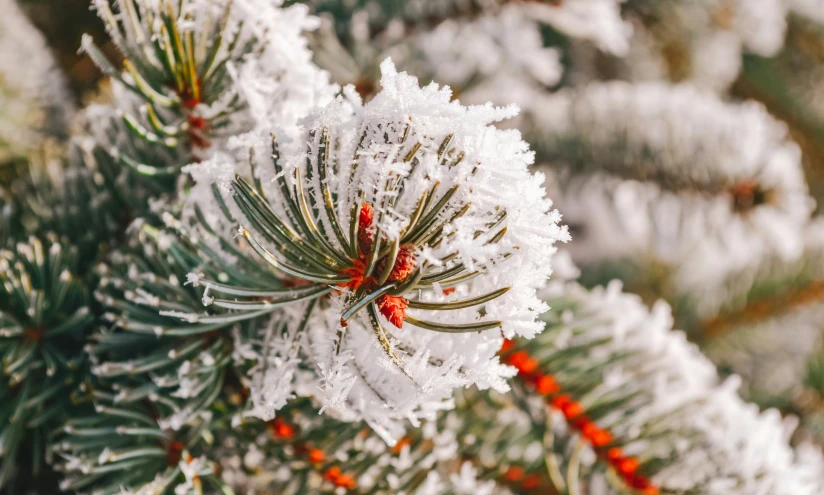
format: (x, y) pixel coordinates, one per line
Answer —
(232, 275)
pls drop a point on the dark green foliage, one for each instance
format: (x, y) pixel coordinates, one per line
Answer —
(44, 318)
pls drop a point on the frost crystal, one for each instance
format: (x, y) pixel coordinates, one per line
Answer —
(466, 483)
(273, 375)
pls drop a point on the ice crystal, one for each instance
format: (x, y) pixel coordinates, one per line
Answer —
(466, 482)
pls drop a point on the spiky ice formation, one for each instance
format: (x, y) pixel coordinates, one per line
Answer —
(427, 231)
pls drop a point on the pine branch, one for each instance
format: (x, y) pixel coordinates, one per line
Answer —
(607, 128)
(160, 372)
(698, 43)
(784, 85)
(45, 317)
(173, 98)
(65, 200)
(648, 405)
(597, 21)
(399, 232)
(670, 193)
(119, 447)
(465, 451)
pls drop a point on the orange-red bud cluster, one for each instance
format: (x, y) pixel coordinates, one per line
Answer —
(365, 219)
(316, 456)
(404, 264)
(393, 309)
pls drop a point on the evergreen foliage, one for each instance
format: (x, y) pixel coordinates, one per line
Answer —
(266, 259)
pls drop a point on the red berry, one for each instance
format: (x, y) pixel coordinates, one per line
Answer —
(517, 359)
(601, 438)
(346, 481)
(332, 474)
(615, 454)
